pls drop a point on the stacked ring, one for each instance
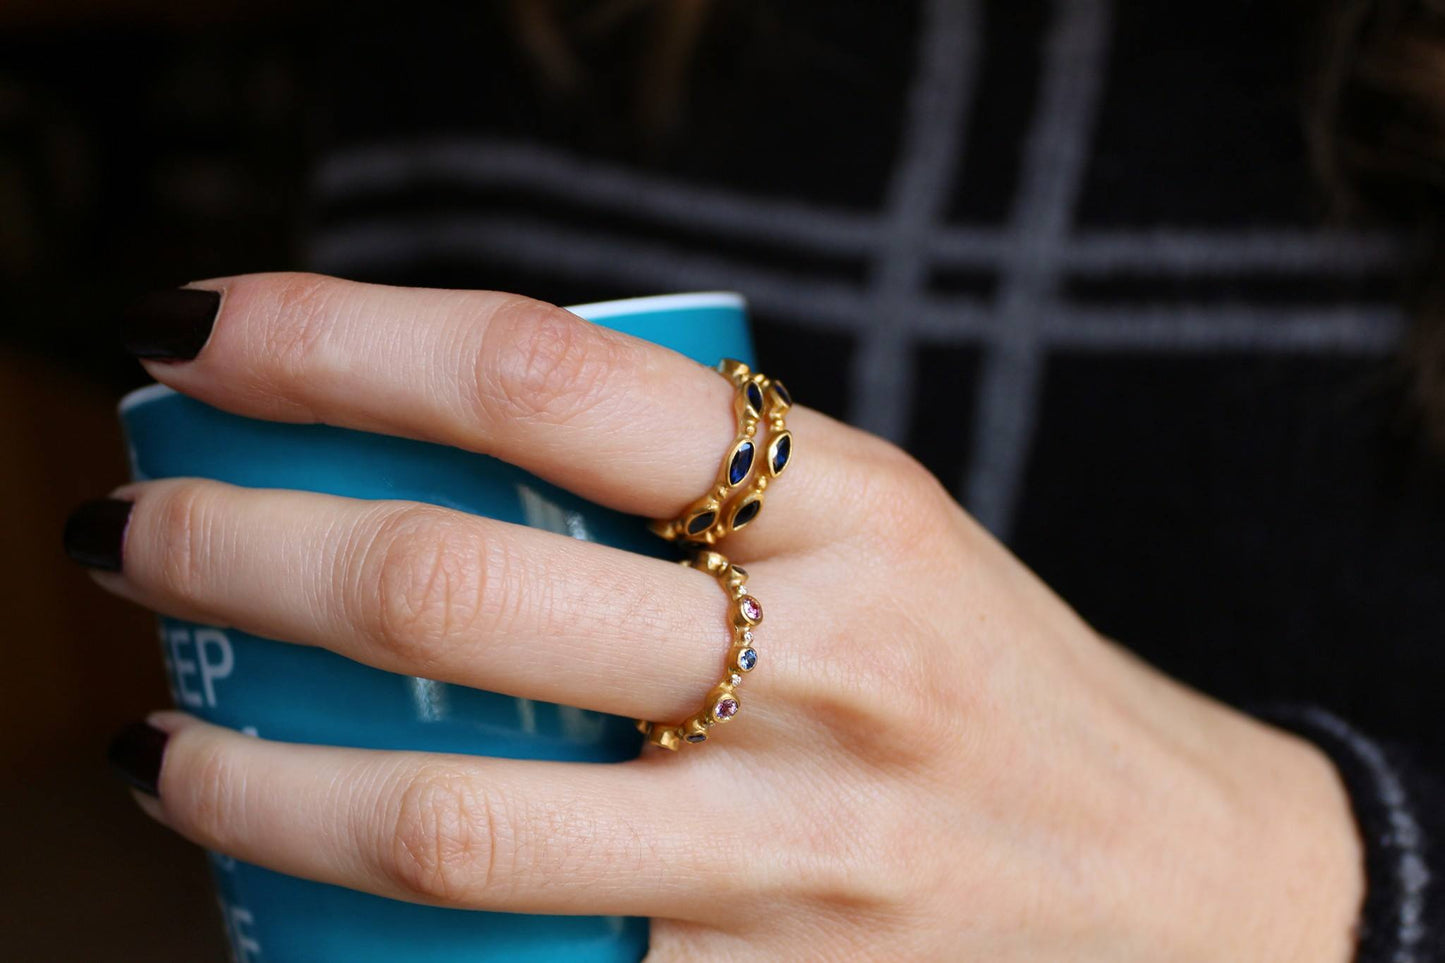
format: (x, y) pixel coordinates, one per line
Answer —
(722, 701)
(730, 504)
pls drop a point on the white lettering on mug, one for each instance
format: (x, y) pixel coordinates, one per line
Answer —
(213, 650)
(245, 948)
(177, 642)
(197, 660)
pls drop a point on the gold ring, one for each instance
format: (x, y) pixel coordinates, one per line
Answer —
(732, 502)
(722, 703)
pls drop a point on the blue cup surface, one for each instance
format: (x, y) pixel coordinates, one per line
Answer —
(301, 694)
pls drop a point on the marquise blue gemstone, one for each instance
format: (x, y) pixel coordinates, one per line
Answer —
(742, 462)
(747, 658)
(754, 396)
(746, 513)
(786, 398)
(700, 522)
(781, 451)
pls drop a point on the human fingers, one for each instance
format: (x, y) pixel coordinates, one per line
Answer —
(616, 419)
(507, 835)
(429, 591)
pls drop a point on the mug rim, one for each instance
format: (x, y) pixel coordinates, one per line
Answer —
(595, 311)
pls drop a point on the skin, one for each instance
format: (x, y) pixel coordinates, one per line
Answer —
(937, 759)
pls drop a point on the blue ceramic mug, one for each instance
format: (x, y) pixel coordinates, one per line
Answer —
(302, 694)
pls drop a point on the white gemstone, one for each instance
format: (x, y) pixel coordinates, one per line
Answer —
(735, 679)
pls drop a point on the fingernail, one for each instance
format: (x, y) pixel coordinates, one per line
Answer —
(95, 531)
(170, 325)
(136, 753)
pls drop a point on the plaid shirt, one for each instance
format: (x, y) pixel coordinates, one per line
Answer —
(1068, 252)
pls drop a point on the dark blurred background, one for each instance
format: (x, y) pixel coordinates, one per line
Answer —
(1257, 517)
(142, 144)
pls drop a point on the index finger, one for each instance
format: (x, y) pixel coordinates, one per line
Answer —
(618, 420)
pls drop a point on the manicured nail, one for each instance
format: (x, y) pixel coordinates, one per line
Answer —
(95, 531)
(170, 325)
(136, 753)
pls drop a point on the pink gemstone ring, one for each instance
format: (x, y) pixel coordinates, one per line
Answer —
(722, 702)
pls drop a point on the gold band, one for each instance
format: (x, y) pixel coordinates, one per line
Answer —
(722, 701)
(733, 501)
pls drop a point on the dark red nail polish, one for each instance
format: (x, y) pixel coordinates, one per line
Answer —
(170, 325)
(95, 532)
(136, 753)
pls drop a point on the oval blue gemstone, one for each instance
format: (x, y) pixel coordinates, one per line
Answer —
(747, 658)
(696, 737)
(742, 462)
(754, 396)
(700, 522)
(746, 513)
(781, 451)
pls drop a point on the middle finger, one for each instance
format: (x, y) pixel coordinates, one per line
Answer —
(428, 591)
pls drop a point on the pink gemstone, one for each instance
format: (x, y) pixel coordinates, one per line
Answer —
(726, 708)
(751, 610)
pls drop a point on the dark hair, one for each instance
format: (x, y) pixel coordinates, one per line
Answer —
(1378, 141)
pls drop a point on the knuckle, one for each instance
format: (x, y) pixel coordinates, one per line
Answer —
(887, 712)
(897, 502)
(186, 523)
(912, 682)
(539, 362)
(905, 502)
(444, 839)
(426, 583)
(856, 853)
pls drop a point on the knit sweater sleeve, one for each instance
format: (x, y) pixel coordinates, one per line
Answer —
(1399, 806)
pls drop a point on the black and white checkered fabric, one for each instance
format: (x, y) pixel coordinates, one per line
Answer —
(1066, 251)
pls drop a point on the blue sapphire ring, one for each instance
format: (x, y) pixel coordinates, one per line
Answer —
(736, 497)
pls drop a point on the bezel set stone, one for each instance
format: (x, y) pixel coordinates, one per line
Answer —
(734, 501)
(736, 497)
(722, 703)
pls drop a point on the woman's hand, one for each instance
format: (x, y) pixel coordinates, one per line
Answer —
(937, 759)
